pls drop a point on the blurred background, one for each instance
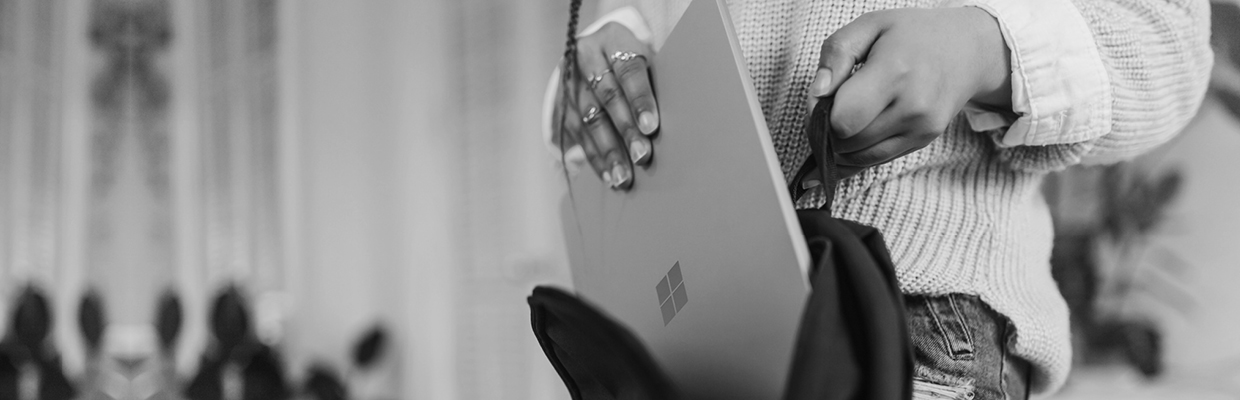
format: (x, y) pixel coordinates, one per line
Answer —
(269, 198)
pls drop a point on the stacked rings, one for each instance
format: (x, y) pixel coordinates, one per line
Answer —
(592, 115)
(596, 78)
(623, 56)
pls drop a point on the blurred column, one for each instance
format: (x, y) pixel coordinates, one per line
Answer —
(426, 195)
(42, 104)
(30, 142)
(512, 194)
(236, 44)
(379, 172)
(227, 160)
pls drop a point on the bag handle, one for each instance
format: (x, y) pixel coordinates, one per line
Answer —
(822, 157)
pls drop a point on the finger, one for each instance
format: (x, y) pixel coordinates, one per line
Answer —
(565, 122)
(860, 100)
(628, 58)
(608, 92)
(633, 73)
(576, 134)
(890, 122)
(575, 128)
(886, 150)
(843, 49)
(613, 164)
(596, 158)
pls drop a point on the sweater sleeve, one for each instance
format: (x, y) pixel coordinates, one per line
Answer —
(1154, 60)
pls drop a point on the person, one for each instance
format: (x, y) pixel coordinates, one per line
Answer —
(948, 114)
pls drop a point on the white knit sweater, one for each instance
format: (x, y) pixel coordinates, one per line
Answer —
(1093, 81)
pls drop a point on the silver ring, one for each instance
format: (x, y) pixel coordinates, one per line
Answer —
(592, 115)
(623, 56)
(597, 78)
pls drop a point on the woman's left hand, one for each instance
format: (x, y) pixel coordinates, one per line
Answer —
(920, 67)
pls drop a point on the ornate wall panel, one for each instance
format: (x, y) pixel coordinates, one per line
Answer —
(130, 220)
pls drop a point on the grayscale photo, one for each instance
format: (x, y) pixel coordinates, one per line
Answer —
(619, 199)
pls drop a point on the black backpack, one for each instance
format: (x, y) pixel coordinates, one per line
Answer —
(852, 341)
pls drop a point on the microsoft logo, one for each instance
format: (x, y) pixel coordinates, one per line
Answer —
(671, 291)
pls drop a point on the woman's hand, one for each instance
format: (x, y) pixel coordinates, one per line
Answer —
(920, 67)
(615, 108)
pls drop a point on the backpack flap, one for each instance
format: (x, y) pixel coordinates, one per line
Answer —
(853, 339)
(597, 358)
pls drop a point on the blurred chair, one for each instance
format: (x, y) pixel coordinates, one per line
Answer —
(92, 321)
(323, 384)
(236, 348)
(28, 345)
(168, 321)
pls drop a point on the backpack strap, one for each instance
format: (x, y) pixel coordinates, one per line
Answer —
(822, 157)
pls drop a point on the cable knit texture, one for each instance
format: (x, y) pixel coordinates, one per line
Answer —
(965, 215)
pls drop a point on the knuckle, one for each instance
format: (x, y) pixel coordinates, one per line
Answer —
(834, 46)
(630, 70)
(932, 122)
(831, 44)
(869, 17)
(903, 69)
(599, 124)
(607, 93)
(919, 109)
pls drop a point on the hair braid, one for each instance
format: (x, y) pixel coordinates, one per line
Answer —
(570, 46)
(568, 98)
(568, 75)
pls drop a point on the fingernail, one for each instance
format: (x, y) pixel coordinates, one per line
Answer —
(620, 176)
(607, 177)
(638, 151)
(822, 83)
(648, 121)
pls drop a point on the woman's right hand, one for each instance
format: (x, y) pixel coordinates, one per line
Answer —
(615, 110)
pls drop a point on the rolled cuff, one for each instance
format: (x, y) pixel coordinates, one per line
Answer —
(1060, 89)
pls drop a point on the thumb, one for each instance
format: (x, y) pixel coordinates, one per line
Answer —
(842, 50)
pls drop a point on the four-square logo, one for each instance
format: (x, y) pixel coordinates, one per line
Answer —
(671, 291)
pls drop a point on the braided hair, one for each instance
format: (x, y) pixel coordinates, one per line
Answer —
(568, 75)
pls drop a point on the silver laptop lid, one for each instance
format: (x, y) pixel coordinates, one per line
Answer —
(703, 258)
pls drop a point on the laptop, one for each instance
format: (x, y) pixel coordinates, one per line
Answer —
(703, 258)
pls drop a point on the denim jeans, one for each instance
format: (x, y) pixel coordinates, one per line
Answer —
(961, 350)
